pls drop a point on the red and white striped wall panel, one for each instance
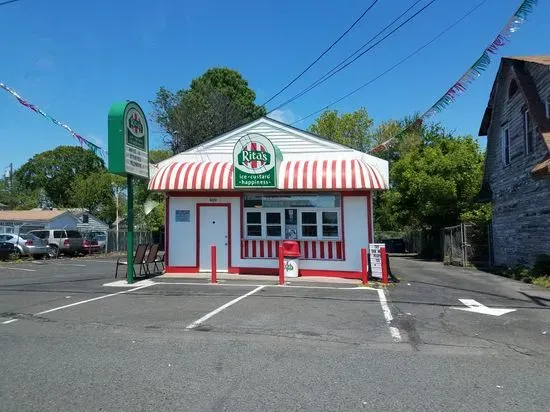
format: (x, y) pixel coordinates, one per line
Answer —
(310, 249)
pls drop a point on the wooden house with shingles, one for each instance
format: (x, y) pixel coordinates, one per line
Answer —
(517, 166)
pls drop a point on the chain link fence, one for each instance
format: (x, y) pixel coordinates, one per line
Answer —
(111, 241)
(467, 244)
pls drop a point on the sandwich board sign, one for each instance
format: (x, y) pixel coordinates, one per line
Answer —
(128, 140)
(255, 162)
(376, 259)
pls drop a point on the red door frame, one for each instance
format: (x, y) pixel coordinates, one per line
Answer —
(198, 232)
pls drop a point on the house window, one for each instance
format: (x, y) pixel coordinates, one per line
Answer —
(254, 224)
(506, 147)
(527, 132)
(512, 89)
(85, 219)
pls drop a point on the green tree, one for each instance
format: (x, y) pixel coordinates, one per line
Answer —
(95, 193)
(143, 198)
(56, 170)
(434, 177)
(216, 102)
(349, 129)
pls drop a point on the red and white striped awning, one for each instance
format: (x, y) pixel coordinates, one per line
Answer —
(193, 176)
(333, 174)
(341, 174)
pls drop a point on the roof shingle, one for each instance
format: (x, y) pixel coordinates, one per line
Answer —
(30, 215)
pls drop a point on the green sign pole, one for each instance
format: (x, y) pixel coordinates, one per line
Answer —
(130, 220)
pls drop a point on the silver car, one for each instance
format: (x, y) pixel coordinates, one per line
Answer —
(26, 245)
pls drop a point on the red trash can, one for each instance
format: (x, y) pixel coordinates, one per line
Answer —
(291, 254)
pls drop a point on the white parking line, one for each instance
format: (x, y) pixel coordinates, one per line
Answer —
(387, 314)
(9, 321)
(23, 269)
(91, 300)
(70, 264)
(214, 312)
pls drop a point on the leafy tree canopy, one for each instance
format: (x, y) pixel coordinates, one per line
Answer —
(434, 180)
(216, 102)
(56, 170)
(349, 129)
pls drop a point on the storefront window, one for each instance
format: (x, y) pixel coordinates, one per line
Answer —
(330, 224)
(309, 224)
(254, 224)
(292, 217)
(273, 224)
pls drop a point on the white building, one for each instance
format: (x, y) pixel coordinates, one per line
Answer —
(249, 189)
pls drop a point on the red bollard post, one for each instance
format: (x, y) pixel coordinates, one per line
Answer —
(281, 267)
(384, 265)
(364, 270)
(213, 257)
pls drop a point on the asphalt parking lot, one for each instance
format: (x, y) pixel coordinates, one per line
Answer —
(70, 342)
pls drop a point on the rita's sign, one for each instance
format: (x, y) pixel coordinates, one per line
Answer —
(255, 162)
(128, 140)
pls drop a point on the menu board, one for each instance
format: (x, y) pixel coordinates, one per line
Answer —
(376, 260)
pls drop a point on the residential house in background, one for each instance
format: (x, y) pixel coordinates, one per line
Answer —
(517, 166)
(22, 221)
(88, 222)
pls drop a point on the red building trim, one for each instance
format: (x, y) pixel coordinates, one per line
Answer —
(167, 231)
(370, 227)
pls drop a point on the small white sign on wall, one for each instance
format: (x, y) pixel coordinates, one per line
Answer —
(376, 260)
(183, 215)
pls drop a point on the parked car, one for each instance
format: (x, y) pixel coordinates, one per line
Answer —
(395, 246)
(68, 242)
(6, 250)
(90, 245)
(100, 237)
(26, 245)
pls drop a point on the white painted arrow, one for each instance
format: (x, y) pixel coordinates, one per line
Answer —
(475, 306)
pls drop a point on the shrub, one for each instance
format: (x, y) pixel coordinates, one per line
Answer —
(541, 266)
(542, 281)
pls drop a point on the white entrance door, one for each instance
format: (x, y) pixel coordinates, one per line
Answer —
(213, 231)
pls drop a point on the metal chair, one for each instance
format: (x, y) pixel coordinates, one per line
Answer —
(139, 257)
(152, 257)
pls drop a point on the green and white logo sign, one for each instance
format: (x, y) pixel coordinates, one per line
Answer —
(255, 161)
(128, 140)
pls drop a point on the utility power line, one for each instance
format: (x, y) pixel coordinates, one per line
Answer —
(452, 26)
(337, 69)
(4, 3)
(325, 52)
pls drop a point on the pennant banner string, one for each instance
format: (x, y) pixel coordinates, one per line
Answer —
(83, 141)
(473, 72)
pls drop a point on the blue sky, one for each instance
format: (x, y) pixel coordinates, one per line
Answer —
(74, 58)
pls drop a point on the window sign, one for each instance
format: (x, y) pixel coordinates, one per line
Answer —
(291, 224)
(183, 215)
